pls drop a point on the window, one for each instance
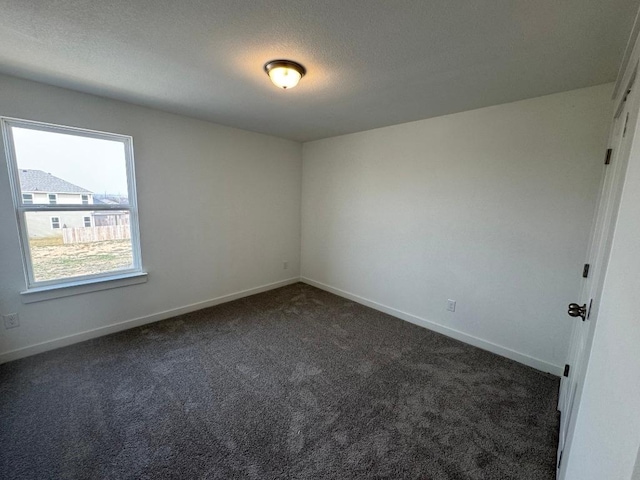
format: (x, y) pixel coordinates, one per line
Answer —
(68, 167)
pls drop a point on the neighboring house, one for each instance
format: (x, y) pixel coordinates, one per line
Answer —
(39, 187)
(111, 217)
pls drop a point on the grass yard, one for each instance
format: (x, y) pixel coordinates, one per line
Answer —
(53, 259)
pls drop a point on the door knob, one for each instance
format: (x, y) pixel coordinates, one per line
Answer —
(576, 310)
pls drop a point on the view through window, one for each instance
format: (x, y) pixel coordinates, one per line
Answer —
(75, 201)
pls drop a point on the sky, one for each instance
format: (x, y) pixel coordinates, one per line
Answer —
(94, 164)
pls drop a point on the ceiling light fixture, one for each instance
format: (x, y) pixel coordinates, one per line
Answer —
(284, 73)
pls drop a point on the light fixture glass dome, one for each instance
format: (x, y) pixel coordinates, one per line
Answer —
(284, 73)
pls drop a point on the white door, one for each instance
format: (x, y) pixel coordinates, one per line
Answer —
(585, 308)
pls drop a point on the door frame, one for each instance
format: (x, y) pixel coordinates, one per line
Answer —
(625, 117)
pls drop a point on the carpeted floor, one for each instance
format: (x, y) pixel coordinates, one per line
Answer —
(295, 383)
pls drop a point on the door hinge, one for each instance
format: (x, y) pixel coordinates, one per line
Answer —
(607, 159)
(626, 122)
(566, 371)
(585, 270)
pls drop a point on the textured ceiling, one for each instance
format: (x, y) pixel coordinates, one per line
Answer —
(370, 63)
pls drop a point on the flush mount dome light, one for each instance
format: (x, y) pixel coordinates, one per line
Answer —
(284, 73)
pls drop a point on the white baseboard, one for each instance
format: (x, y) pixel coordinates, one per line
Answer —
(136, 322)
(449, 332)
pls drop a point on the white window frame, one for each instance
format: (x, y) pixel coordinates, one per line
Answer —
(54, 197)
(53, 223)
(85, 220)
(78, 284)
(24, 200)
(83, 201)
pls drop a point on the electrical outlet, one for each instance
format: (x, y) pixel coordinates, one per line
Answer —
(451, 305)
(285, 265)
(11, 320)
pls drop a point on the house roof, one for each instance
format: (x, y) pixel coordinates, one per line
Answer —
(39, 181)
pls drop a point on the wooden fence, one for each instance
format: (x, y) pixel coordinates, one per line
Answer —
(95, 234)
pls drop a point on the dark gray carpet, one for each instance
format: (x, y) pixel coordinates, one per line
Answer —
(293, 383)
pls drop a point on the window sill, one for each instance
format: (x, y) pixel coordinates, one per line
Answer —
(40, 294)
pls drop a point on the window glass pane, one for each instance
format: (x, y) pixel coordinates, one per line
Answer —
(85, 172)
(77, 169)
(75, 250)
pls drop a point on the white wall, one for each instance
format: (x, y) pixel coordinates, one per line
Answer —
(219, 214)
(491, 208)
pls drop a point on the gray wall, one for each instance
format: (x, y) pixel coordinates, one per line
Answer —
(491, 208)
(219, 214)
(484, 207)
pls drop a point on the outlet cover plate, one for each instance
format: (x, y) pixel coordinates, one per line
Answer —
(11, 320)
